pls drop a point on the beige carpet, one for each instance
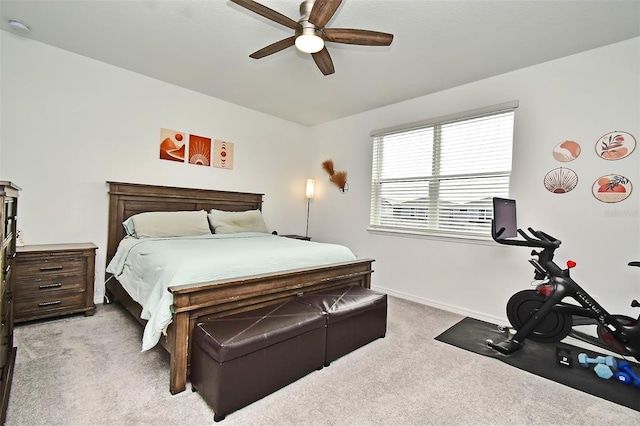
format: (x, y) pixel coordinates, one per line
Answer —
(90, 371)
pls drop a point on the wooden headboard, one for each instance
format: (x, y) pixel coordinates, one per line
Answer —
(127, 199)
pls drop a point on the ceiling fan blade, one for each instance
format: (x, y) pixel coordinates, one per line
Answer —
(323, 61)
(273, 48)
(322, 11)
(361, 37)
(267, 13)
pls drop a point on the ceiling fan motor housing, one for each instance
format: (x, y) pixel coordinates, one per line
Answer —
(305, 9)
(306, 28)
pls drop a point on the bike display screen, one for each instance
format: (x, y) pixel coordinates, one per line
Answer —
(504, 216)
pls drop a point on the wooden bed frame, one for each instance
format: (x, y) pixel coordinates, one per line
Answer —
(216, 298)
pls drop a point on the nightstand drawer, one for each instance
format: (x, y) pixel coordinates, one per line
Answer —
(32, 306)
(48, 267)
(30, 286)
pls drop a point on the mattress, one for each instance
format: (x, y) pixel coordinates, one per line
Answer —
(147, 267)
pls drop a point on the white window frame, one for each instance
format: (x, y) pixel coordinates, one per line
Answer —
(423, 224)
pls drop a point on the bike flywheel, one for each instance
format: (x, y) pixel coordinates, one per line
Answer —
(551, 329)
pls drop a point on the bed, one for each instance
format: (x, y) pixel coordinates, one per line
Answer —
(217, 297)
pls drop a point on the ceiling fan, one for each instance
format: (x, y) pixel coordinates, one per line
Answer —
(311, 34)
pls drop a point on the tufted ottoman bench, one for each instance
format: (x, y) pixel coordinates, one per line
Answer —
(355, 317)
(238, 359)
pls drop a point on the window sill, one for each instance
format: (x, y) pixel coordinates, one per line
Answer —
(464, 239)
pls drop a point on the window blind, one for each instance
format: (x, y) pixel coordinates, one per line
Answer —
(440, 178)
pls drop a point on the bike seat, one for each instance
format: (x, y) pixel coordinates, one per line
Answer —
(634, 263)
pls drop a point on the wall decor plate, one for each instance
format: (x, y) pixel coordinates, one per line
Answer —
(566, 151)
(612, 188)
(615, 145)
(560, 180)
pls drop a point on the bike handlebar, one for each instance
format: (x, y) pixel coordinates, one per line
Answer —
(541, 240)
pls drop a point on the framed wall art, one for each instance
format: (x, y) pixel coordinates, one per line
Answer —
(223, 154)
(199, 150)
(172, 145)
(560, 180)
(615, 145)
(612, 188)
(566, 151)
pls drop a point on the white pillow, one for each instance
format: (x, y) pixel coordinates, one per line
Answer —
(168, 224)
(232, 222)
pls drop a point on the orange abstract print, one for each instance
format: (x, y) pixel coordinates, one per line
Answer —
(615, 145)
(223, 154)
(566, 151)
(611, 188)
(172, 145)
(199, 150)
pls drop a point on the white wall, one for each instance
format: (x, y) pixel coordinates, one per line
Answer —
(1, 43)
(580, 98)
(69, 124)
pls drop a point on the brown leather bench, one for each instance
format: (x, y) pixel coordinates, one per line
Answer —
(355, 317)
(241, 358)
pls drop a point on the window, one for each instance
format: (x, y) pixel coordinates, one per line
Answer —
(439, 177)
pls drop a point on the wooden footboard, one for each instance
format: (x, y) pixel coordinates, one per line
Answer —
(219, 298)
(195, 302)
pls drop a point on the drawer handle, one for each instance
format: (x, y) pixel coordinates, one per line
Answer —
(50, 268)
(7, 269)
(57, 302)
(43, 286)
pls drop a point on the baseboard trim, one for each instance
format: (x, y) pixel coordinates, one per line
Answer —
(444, 306)
(487, 318)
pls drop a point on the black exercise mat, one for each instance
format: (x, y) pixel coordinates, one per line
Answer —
(540, 359)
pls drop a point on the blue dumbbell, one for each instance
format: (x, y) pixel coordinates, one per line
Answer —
(603, 371)
(626, 374)
(609, 361)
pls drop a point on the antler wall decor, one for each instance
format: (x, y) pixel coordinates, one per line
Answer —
(339, 179)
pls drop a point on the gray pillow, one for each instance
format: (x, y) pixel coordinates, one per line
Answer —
(231, 222)
(168, 224)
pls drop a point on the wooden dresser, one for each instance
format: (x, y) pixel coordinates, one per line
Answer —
(53, 280)
(8, 233)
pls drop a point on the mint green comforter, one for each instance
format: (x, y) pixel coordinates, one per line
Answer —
(147, 267)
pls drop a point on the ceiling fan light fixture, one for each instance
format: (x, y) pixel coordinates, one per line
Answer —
(309, 43)
(311, 31)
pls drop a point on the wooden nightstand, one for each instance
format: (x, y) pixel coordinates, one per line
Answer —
(297, 237)
(53, 280)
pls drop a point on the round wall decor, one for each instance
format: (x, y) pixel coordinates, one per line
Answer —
(566, 151)
(615, 145)
(560, 180)
(612, 188)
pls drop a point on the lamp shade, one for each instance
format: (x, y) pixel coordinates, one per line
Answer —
(311, 185)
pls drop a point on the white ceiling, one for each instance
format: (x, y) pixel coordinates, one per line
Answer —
(205, 45)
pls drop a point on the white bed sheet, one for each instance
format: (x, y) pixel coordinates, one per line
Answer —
(147, 267)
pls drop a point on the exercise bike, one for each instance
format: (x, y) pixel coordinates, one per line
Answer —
(543, 315)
